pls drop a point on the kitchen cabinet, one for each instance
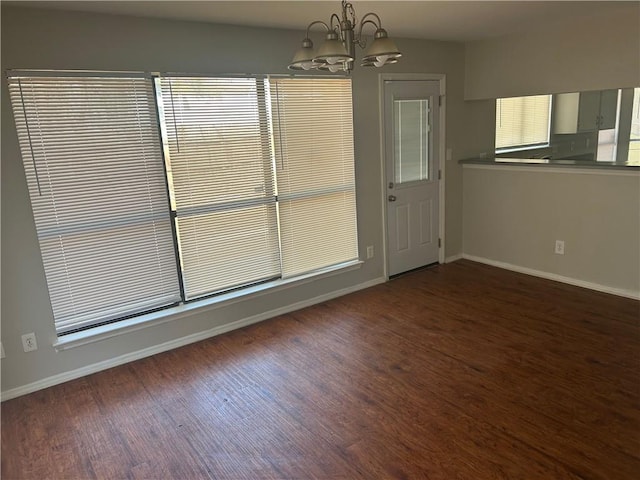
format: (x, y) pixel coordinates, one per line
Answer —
(608, 109)
(580, 112)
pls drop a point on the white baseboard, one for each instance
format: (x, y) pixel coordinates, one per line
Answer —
(196, 337)
(453, 258)
(179, 342)
(558, 278)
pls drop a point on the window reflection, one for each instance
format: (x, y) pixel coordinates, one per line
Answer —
(595, 126)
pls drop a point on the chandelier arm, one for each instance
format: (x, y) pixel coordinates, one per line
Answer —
(359, 40)
(335, 26)
(364, 21)
(316, 22)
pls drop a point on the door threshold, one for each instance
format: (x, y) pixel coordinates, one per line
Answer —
(413, 270)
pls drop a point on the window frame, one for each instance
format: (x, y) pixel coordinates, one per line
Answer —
(138, 319)
(529, 146)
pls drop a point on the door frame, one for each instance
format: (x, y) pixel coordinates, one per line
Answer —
(441, 79)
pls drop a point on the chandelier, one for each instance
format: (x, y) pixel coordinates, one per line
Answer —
(337, 53)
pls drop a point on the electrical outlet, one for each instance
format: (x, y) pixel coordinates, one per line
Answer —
(29, 343)
(370, 251)
(559, 247)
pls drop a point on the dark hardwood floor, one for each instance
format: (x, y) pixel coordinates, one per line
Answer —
(461, 371)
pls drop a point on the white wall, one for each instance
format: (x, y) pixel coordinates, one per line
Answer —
(42, 39)
(567, 55)
(514, 215)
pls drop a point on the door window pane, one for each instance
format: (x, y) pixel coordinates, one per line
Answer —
(411, 140)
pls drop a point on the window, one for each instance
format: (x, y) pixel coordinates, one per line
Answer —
(218, 146)
(411, 140)
(93, 164)
(315, 176)
(239, 185)
(634, 136)
(522, 122)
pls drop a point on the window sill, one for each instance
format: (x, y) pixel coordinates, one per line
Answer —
(522, 148)
(103, 332)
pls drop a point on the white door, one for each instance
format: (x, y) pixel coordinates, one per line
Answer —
(411, 127)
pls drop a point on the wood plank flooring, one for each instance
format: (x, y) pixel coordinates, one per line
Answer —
(461, 371)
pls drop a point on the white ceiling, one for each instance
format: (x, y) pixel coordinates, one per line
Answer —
(450, 20)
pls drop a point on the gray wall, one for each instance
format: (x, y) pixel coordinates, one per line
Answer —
(514, 216)
(567, 55)
(42, 39)
(544, 207)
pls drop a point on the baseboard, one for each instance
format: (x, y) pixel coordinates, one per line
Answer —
(558, 278)
(179, 342)
(453, 258)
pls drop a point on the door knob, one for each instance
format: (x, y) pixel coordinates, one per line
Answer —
(392, 198)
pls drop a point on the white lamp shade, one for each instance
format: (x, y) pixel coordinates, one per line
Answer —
(303, 59)
(332, 51)
(383, 51)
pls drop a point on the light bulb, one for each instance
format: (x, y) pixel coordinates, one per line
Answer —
(333, 68)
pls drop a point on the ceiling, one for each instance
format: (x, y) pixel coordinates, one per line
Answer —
(450, 20)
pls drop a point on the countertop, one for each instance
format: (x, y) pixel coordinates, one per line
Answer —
(544, 162)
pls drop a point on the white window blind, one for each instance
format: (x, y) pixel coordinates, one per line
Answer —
(522, 121)
(217, 133)
(239, 180)
(313, 142)
(93, 163)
